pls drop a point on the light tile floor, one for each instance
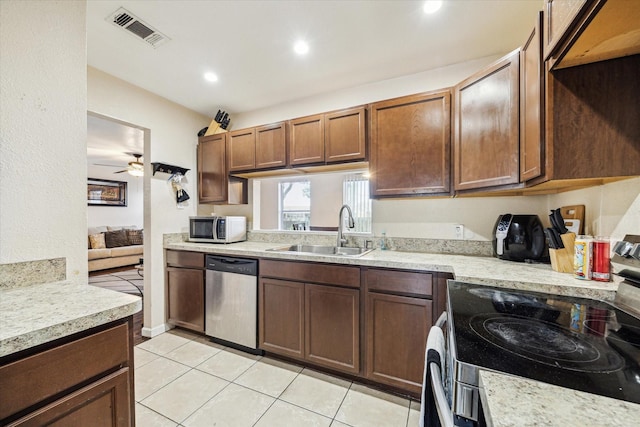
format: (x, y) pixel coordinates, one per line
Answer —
(184, 380)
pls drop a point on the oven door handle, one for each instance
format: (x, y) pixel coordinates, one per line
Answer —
(442, 320)
(445, 415)
(442, 405)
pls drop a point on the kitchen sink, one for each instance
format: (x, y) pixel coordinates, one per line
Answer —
(322, 250)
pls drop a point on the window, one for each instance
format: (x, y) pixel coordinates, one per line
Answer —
(294, 205)
(355, 193)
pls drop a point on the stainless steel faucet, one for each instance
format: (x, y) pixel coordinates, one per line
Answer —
(352, 224)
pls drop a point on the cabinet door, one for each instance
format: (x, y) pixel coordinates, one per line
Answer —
(345, 135)
(396, 334)
(410, 145)
(185, 302)
(281, 317)
(307, 140)
(104, 403)
(212, 169)
(271, 146)
(241, 150)
(332, 327)
(487, 126)
(532, 106)
(558, 17)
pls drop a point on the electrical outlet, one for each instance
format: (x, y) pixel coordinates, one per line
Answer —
(459, 231)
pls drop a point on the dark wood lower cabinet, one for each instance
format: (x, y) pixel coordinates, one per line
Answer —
(185, 302)
(104, 403)
(396, 337)
(367, 322)
(185, 276)
(332, 327)
(281, 318)
(83, 380)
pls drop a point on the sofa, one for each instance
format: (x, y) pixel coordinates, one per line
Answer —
(114, 246)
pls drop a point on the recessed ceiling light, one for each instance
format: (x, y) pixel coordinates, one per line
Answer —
(210, 77)
(301, 47)
(432, 6)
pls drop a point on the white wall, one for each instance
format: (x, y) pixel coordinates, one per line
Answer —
(406, 85)
(43, 131)
(170, 137)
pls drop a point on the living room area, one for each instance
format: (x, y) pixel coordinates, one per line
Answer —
(115, 212)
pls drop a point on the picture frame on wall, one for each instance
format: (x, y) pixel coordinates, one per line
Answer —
(104, 192)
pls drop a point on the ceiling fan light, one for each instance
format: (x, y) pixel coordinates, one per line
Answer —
(136, 172)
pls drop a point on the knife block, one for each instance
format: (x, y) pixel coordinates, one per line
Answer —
(214, 128)
(562, 259)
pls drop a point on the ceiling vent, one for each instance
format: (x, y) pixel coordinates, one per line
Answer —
(124, 19)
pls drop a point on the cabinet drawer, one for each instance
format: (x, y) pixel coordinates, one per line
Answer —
(30, 380)
(311, 272)
(185, 259)
(399, 282)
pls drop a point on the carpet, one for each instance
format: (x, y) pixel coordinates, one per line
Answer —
(127, 281)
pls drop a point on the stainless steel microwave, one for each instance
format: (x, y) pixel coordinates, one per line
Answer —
(217, 229)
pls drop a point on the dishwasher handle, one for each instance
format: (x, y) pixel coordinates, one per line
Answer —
(232, 265)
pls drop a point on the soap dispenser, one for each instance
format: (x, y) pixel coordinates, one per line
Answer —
(383, 242)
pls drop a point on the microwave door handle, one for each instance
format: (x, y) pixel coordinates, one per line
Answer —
(215, 227)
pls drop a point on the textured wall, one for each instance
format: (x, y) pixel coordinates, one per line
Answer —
(43, 128)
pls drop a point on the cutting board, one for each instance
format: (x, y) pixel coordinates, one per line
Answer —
(573, 212)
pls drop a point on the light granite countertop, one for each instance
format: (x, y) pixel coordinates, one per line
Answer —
(510, 401)
(40, 313)
(472, 269)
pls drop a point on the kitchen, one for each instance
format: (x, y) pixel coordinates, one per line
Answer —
(614, 206)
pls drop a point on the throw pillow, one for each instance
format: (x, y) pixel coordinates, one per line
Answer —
(134, 236)
(114, 239)
(97, 241)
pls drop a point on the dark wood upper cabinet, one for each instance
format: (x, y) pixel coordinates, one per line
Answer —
(532, 105)
(241, 149)
(271, 146)
(592, 131)
(486, 132)
(580, 32)
(345, 135)
(558, 18)
(306, 145)
(213, 180)
(411, 145)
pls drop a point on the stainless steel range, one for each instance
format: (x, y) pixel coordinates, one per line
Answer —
(578, 343)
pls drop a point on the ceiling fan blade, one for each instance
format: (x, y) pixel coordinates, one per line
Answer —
(110, 166)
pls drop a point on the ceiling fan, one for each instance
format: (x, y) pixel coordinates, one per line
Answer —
(135, 168)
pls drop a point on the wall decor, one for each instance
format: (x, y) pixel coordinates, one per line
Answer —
(104, 192)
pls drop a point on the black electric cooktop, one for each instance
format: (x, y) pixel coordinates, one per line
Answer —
(581, 344)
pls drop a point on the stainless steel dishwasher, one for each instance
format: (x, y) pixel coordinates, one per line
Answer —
(231, 301)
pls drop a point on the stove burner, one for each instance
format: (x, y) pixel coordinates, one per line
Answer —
(546, 343)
